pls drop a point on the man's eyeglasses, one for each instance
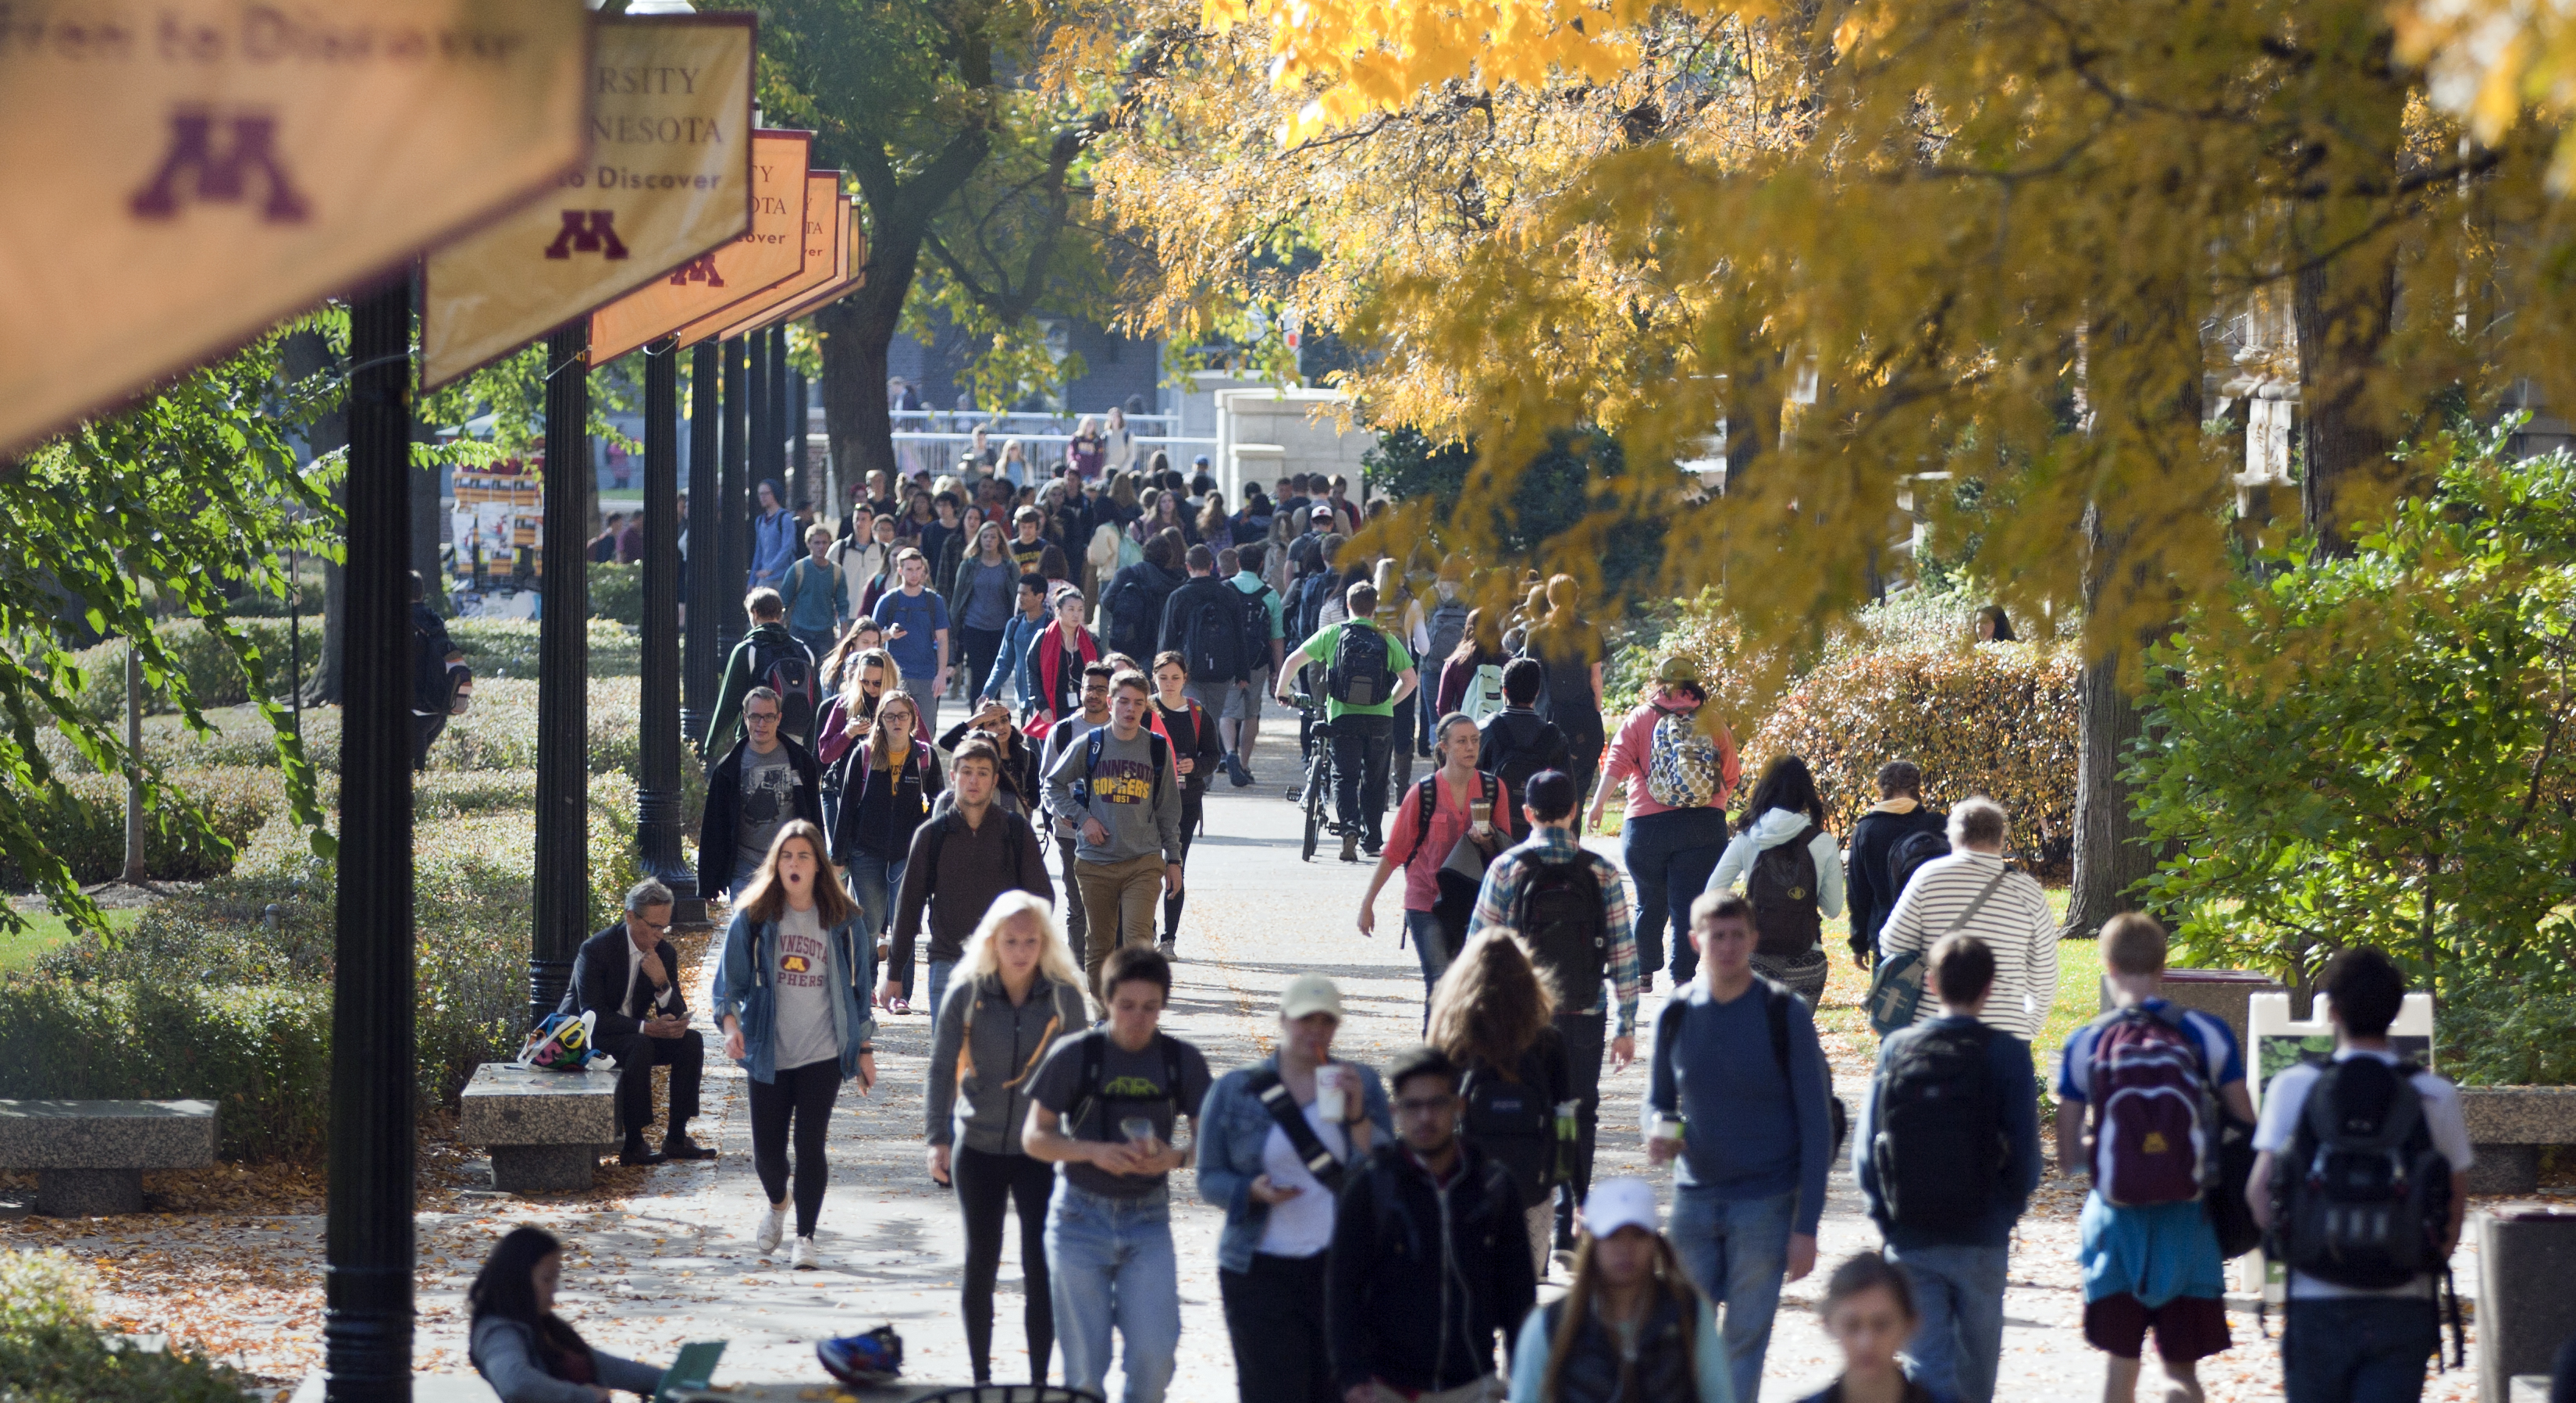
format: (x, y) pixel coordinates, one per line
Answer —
(657, 927)
(760, 718)
(1432, 1106)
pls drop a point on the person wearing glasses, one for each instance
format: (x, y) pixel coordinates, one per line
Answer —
(1430, 1261)
(764, 783)
(629, 977)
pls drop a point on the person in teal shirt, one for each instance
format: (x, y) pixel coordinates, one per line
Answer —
(1362, 716)
(1241, 722)
(817, 598)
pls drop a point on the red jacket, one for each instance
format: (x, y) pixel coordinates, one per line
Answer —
(1048, 657)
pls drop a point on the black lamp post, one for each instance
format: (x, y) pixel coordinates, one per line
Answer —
(563, 676)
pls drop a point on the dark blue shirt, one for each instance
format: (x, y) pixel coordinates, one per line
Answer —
(922, 615)
(2008, 1063)
(1750, 1131)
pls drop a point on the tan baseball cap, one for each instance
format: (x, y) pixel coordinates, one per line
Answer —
(1310, 993)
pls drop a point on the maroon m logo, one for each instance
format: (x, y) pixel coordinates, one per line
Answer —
(192, 163)
(701, 269)
(587, 231)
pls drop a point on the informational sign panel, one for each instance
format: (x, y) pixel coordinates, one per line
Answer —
(181, 175)
(827, 224)
(853, 275)
(770, 254)
(669, 179)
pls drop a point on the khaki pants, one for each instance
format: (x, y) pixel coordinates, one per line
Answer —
(1119, 900)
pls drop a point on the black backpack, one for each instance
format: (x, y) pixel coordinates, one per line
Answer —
(1775, 1010)
(1090, 1091)
(1513, 1123)
(1313, 593)
(1782, 887)
(1448, 624)
(1363, 673)
(2363, 1197)
(1096, 740)
(1131, 609)
(1256, 627)
(1517, 745)
(433, 682)
(1560, 918)
(1908, 856)
(788, 671)
(1212, 634)
(1939, 1147)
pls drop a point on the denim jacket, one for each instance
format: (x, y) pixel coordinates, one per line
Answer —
(1011, 662)
(742, 989)
(1233, 1126)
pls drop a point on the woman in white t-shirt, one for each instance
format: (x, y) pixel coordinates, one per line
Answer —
(1278, 1211)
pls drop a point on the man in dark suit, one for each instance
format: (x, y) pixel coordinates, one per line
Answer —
(629, 976)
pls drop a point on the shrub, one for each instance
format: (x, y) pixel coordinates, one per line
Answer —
(214, 676)
(261, 1053)
(508, 648)
(617, 592)
(51, 1350)
(1997, 719)
(87, 828)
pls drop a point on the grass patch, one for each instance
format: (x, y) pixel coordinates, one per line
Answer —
(45, 930)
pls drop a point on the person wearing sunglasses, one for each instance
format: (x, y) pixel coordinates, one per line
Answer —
(629, 977)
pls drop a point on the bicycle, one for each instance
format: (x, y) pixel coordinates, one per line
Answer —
(1317, 792)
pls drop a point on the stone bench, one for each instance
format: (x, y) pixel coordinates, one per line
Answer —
(89, 1156)
(544, 1130)
(2507, 1127)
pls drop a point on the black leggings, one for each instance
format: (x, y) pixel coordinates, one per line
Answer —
(986, 1185)
(806, 1093)
(1193, 802)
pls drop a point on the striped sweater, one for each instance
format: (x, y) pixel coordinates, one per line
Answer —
(2015, 922)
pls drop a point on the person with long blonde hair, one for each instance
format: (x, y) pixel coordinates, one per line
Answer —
(790, 994)
(1016, 993)
(1494, 1015)
(1631, 1325)
(887, 785)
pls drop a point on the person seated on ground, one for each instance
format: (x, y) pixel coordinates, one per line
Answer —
(629, 977)
(522, 1348)
(1869, 1310)
(1630, 1315)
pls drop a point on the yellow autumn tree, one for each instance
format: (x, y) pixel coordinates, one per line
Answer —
(1984, 254)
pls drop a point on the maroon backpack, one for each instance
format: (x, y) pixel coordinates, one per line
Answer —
(2154, 1117)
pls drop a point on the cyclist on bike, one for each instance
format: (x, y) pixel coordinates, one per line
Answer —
(1367, 671)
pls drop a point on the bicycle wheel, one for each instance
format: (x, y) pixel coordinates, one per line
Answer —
(1318, 783)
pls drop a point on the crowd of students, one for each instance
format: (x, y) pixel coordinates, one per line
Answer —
(1386, 1230)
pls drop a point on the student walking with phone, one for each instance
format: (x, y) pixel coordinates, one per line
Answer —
(1276, 1144)
(1016, 994)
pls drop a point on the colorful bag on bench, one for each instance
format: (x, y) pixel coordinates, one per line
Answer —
(561, 1043)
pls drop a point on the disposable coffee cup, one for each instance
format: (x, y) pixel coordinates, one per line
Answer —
(1670, 1128)
(1332, 1101)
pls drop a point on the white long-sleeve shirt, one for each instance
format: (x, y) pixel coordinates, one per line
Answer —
(2015, 923)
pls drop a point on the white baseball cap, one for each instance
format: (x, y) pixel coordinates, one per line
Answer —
(1620, 1203)
(1310, 993)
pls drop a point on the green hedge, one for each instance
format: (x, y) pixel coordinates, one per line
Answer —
(87, 828)
(508, 647)
(51, 1350)
(1997, 719)
(617, 592)
(262, 1054)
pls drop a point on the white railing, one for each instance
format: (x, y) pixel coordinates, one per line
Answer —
(938, 452)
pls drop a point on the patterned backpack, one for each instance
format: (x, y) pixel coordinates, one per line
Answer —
(1683, 766)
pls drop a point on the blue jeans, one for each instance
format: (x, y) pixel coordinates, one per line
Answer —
(1736, 1251)
(1110, 1262)
(939, 972)
(1959, 1292)
(1670, 856)
(873, 883)
(2358, 1350)
(742, 876)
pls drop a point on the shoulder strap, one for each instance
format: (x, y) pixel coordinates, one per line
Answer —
(1274, 1096)
(1979, 904)
(1171, 1047)
(1775, 1008)
(1426, 798)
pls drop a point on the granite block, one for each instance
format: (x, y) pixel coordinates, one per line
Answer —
(508, 1105)
(88, 1193)
(2505, 1169)
(107, 1134)
(2221, 993)
(524, 1169)
(2520, 1115)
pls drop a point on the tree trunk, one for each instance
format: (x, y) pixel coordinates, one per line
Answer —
(856, 336)
(135, 872)
(306, 354)
(2111, 852)
(2343, 308)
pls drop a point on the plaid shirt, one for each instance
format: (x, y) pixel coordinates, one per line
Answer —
(1500, 897)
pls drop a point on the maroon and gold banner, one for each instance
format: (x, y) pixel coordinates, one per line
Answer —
(827, 223)
(770, 254)
(178, 176)
(669, 179)
(853, 276)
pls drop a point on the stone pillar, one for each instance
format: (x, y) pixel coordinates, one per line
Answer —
(563, 676)
(367, 1238)
(658, 820)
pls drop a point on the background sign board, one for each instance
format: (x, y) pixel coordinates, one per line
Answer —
(181, 175)
(770, 254)
(853, 276)
(669, 178)
(827, 223)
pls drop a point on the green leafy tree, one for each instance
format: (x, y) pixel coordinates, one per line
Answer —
(173, 506)
(2380, 748)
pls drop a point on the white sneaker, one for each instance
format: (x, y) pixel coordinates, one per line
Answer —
(802, 1256)
(773, 1226)
(1169, 950)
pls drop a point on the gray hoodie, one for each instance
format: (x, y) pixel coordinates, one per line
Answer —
(982, 1097)
(1769, 831)
(1136, 800)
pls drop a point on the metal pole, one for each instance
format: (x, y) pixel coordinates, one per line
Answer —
(764, 421)
(657, 799)
(706, 601)
(799, 456)
(563, 676)
(776, 340)
(732, 527)
(368, 1245)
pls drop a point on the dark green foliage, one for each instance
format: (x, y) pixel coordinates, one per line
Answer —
(261, 1053)
(51, 1350)
(83, 823)
(1559, 488)
(616, 594)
